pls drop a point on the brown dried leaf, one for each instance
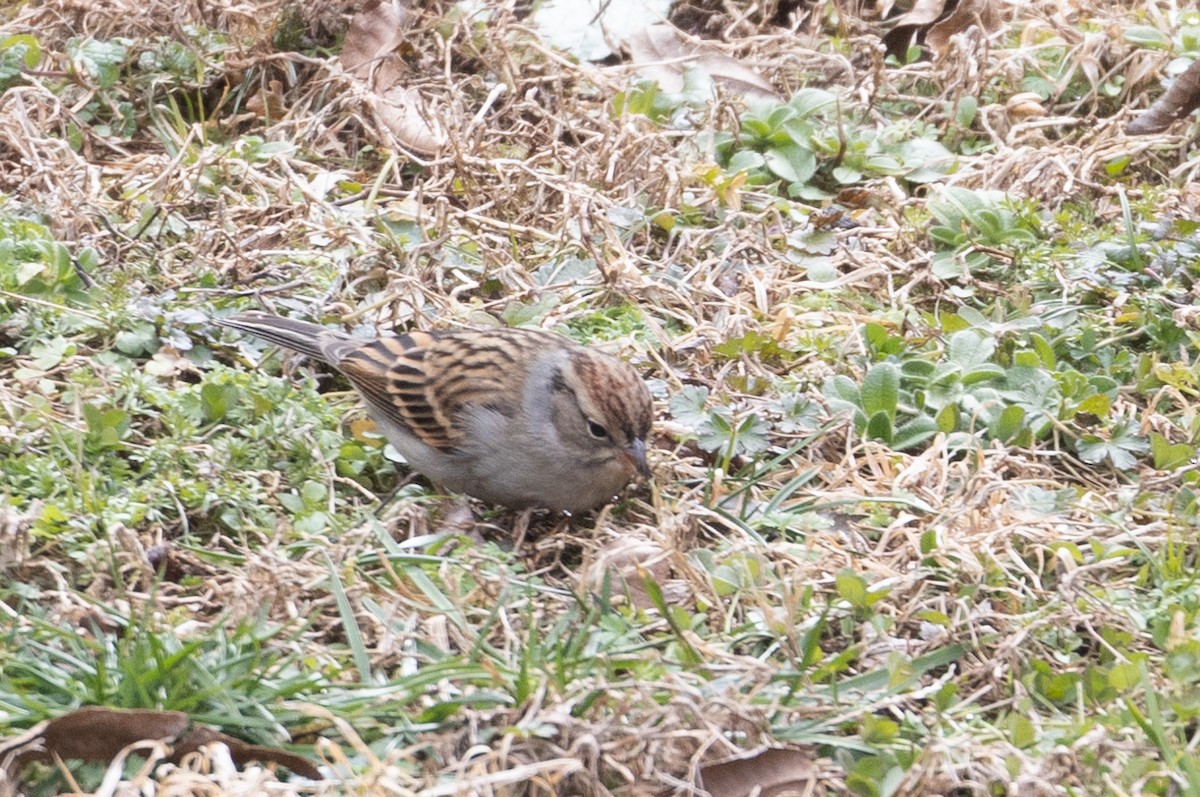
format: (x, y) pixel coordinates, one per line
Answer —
(968, 13)
(1025, 105)
(661, 52)
(368, 54)
(406, 115)
(924, 12)
(1181, 99)
(627, 562)
(268, 102)
(770, 773)
(373, 34)
(907, 26)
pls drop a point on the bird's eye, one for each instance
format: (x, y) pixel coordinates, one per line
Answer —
(598, 431)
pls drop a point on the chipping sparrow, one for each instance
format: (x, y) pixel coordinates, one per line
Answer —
(517, 417)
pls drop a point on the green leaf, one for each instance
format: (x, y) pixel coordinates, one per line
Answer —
(1044, 350)
(1185, 227)
(142, 339)
(1009, 423)
(106, 427)
(217, 400)
(18, 52)
(921, 370)
(518, 314)
(913, 433)
(842, 388)
(946, 697)
(1120, 449)
(881, 391)
(879, 730)
(1096, 404)
(687, 406)
(291, 502)
(935, 617)
(972, 317)
(808, 192)
(752, 435)
(880, 339)
(1167, 456)
(816, 242)
(808, 101)
(844, 175)
(791, 162)
(48, 354)
(745, 161)
(983, 373)
(852, 588)
(753, 342)
(947, 419)
(27, 272)
(1021, 731)
(1027, 358)
(716, 431)
(970, 348)
(313, 492)
(724, 580)
(1125, 676)
(1146, 36)
(1117, 166)
(926, 160)
(102, 60)
(879, 427)
(311, 523)
(964, 114)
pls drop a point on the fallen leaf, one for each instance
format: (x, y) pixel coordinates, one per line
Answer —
(369, 56)
(966, 14)
(626, 563)
(268, 102)
(662, 53)
(906, 26)
(589, 29)
(772, 772)
(373, 34)
(406, 115)
(855, 196)
(1025, 105)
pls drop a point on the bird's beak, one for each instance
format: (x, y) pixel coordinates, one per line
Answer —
(637, 453)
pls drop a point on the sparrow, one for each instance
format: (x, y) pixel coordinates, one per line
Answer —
(522, 418)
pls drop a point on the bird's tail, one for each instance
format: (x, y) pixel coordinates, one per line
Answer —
(313, 340)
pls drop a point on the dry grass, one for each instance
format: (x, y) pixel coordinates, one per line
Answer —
(538, 172)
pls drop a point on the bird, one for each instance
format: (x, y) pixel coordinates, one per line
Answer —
(521, 418)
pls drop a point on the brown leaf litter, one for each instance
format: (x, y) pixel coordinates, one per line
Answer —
(524, 164)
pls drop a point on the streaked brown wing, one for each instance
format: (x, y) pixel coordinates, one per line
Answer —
(423, 380)
(390, 375)
(478, 368)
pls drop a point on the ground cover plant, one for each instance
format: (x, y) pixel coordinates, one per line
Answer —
(919, 319)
